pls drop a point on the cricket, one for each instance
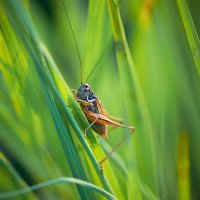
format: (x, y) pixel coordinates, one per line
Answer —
(94, 111)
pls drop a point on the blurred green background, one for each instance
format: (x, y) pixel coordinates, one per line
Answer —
(149, 76)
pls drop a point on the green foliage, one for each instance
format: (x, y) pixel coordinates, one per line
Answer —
(149, 76)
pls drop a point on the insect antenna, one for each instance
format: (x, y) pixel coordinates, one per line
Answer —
(73, 34)
(100, 59)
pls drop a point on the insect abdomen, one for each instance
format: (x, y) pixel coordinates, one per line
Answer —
(101, 129)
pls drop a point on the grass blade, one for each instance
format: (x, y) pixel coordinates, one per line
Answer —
(191, 32)
(56, 181)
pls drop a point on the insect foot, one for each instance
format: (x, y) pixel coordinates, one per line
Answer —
(101, 169)
(85, 133)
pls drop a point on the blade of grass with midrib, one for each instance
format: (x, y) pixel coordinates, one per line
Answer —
(12, 179)
(53, 182)
(134, 99)
(191, 32)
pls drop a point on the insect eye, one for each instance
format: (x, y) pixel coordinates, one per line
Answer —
(86, 88)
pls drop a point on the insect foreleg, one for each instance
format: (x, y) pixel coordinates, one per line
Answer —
(90, 125)
(84, 103)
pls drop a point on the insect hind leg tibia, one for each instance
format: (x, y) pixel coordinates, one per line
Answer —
(116, 147)
(116, 119)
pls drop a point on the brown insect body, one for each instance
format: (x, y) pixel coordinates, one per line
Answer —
(95, 112)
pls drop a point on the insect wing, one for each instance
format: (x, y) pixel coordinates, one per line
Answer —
(100, 108)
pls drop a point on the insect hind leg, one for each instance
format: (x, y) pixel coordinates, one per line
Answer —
(114, 149)
(119, 120)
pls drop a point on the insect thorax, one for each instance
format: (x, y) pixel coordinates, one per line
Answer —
(85, 93)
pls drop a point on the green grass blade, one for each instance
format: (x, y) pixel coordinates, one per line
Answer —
(184, 167)
(191, 32)
(68, 146)
(135, 102)
(56, 181)
(11, 179)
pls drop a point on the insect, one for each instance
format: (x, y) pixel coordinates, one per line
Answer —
(94, 111)
(96, 114)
